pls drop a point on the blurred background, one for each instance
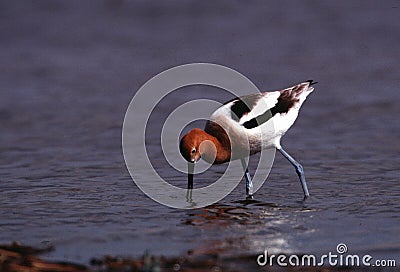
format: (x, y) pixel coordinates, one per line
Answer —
(68, 70)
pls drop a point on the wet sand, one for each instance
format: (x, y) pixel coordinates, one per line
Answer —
(15, 257)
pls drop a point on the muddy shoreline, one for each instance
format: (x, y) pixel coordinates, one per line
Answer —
(17, 258)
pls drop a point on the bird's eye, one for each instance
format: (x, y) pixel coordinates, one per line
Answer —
(193, 150)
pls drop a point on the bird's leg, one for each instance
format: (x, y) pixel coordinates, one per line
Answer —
(249, 183)
(299, 171)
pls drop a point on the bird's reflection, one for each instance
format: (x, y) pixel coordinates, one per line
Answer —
(248, 226)
(189, 199)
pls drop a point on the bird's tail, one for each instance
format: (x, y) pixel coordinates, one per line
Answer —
(298, 92)
(307, 87)
(295, 95)
(311, 82)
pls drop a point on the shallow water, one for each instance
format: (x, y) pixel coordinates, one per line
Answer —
(68, 72)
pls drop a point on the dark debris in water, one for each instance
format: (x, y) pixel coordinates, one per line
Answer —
(17, 258)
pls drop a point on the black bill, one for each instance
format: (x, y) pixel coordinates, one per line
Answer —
(190, 175)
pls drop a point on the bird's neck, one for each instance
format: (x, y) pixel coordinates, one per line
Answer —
(223, 151)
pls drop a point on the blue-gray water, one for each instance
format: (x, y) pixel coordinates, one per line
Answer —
(69, 69)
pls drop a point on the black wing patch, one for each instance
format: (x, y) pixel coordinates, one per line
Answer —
(243, 105)
(259, 120)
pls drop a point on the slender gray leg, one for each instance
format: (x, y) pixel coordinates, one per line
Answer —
(299, 171)
(249, 183)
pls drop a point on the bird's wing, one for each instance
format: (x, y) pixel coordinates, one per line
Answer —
(264, 102)
(253, 110)
(245, 108)
(279, 102)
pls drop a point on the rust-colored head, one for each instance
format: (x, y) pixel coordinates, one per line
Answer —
(198, 144)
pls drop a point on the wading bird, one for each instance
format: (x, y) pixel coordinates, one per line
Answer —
(245, 126)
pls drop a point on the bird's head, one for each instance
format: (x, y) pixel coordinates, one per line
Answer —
(197, 144)
(194, 145)
(190, 145)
